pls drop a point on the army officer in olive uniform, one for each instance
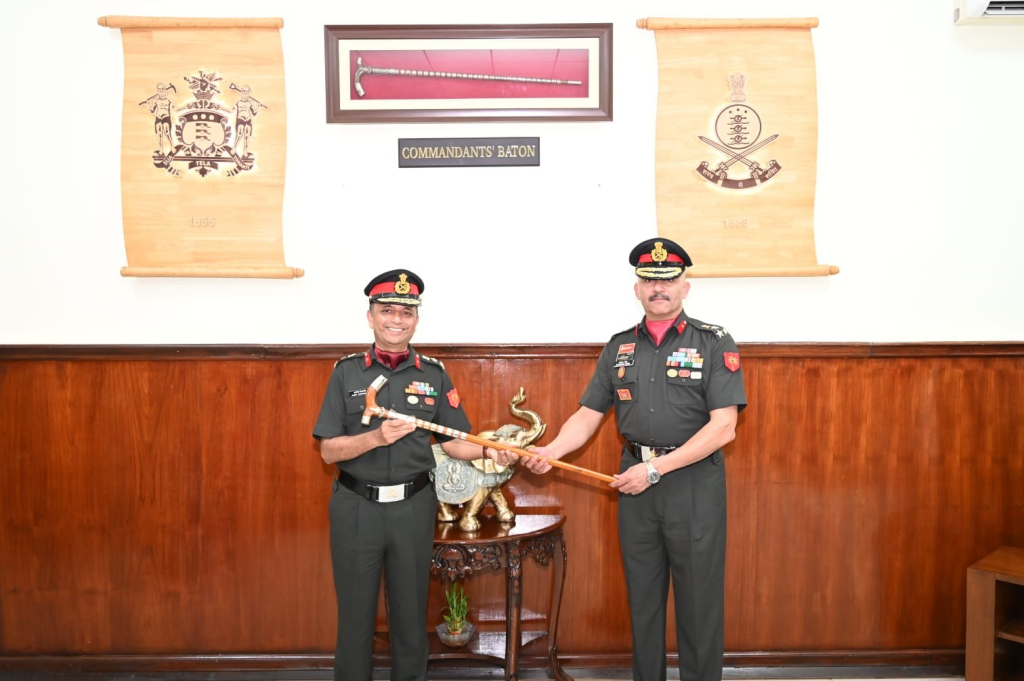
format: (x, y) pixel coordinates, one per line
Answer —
(677, 388)
(383, 507)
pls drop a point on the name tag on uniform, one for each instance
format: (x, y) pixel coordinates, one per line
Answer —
(357, 393)
(624, 357)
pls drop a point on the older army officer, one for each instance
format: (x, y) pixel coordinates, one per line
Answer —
(677, 389)
(383, 506)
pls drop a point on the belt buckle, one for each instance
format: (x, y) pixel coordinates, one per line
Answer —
(648, 453)
(388, 493)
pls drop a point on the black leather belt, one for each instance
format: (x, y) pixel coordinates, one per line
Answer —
(637, 450)
(384, 493)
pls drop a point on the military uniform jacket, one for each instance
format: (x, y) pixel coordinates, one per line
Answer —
(664, 394)
(419, 387)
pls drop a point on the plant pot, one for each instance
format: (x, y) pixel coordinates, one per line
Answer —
(455, 640)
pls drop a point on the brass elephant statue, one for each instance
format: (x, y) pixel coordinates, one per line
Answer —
(473, 483)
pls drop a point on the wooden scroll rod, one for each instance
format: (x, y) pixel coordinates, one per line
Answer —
(225, 272)
(115, 21)
(662, 24)
(707, 272)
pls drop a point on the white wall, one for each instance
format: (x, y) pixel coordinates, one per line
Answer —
(919, 190)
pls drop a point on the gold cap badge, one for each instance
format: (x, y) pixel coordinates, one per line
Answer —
(659, 254)
(402, 286)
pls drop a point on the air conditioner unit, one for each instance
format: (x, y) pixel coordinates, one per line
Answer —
(988, 12)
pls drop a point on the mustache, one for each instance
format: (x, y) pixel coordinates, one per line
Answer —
(658, 296)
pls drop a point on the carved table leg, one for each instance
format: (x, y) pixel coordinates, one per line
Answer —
(515, 609)
(561, 563)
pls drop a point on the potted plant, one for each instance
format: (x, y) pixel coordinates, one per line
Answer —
(456, 631)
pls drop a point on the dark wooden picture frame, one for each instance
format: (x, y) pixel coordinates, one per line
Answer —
(445, 73)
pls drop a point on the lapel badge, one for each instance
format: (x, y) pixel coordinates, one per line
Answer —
(624, 395)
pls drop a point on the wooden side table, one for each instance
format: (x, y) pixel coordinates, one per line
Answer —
(995, 617)
(458, 554)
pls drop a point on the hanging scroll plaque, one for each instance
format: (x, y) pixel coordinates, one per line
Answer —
(202, 147)
(737, 143)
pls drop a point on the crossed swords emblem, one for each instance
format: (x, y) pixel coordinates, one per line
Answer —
(723, 167)
(720, 176)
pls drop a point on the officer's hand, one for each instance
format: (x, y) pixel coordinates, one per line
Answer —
(537, 464)
(633, 481)
(502, 457)
(393, 430)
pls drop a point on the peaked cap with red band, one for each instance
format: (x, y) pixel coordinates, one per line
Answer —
(397, 286)
(659, 258)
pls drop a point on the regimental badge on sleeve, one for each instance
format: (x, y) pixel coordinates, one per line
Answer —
(453, 398)
(732, 361)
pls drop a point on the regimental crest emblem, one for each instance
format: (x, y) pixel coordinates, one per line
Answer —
(738, 129)
(402, 286)
(202, 135)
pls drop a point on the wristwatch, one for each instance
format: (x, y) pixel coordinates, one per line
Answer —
(653, 476)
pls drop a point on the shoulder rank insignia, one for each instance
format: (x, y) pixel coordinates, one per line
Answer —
(719, 331)
(433, 361)
(354, 354)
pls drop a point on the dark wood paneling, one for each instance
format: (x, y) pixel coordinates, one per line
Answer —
(169, 502)
(508, 352)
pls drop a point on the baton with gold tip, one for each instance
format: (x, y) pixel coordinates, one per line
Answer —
(372, 410)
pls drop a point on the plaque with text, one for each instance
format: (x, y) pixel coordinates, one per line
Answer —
(468, 151)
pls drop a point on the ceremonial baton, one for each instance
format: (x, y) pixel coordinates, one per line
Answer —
(372, 410)
(364, 70)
